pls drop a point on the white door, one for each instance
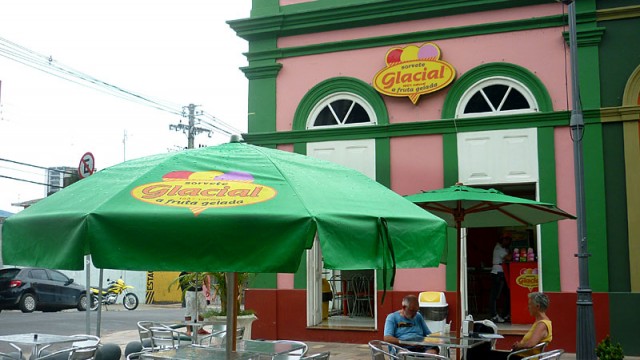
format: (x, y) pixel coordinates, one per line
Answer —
(494, 157)
(355, 154)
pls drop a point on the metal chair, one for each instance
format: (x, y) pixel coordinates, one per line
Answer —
(218, 336)
(321, 356)
(409, 355)
(549, 355)
(13, 355)
(342, 291)
(486, 327)
(87, 340)
(135, 355)
(294, 355)
(539, 347)
(362, 297)
(382, 350)
(164, 337)
(74, 353)
(84, 341)
(145, 334)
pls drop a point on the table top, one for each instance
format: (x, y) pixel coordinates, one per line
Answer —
(39, 339)
(446, 341)
(271, 348)
(198, 353)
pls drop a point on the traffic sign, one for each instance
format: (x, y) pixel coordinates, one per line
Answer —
(87, 165)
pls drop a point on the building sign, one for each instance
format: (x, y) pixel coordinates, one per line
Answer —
(528, 278)
(413, 71)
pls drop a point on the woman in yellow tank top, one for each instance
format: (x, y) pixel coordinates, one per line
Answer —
(540, 331)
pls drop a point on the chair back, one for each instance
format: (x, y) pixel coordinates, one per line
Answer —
(409, 355)
(486, 327)
(548, 355)
(83, 353)
(321, 356)
(163, 338)
(297, 354)
(12, 356)
(145, 334)
(537, 349)
(218, 336)
(382, 350)
(87, 340)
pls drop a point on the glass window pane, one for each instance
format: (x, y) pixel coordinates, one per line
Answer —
(38, 274)
(341, 108)
(477, 104)
(56, 276)
(358, 115)
(325, 118)
(515, 100)
(495, 93)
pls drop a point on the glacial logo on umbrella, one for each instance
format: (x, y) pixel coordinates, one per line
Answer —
(413, 71)
(202, 190)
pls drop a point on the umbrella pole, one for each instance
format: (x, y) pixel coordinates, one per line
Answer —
(232, 312)
(459, 293)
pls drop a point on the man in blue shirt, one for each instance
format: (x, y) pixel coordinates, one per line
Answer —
(407, 324)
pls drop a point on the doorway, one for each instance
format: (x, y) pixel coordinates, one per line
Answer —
(480, 245)
(353, 292)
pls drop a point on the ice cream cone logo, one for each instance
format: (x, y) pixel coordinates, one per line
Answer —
(528, 278)
(413, 71)
(199, 191)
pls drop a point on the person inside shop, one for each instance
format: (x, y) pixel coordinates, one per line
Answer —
(540, 331)
(501, 255)
(407, 324)
(195, 299)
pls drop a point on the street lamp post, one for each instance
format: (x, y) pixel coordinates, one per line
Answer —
(585, 328)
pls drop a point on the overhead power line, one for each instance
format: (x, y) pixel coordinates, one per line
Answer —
(37, 166)
(30, 181)
(50, 66)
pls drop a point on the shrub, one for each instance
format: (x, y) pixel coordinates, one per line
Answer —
(606, 350)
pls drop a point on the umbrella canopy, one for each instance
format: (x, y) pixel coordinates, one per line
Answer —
(467, 207)
(232, 208)
(470, 207)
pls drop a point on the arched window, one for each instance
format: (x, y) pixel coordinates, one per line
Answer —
(496, 89)
(341, 109)
(340, 102)
(496, 96)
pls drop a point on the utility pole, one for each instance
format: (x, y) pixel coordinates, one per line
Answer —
(586, 332)
(191, 129)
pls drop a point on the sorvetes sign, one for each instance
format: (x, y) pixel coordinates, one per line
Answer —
(413, 71)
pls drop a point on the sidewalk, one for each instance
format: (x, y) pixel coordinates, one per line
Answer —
(339, 351)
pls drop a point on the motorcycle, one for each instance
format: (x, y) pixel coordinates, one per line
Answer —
(112, 292)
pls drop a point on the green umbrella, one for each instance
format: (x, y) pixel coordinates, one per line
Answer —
(229, 208)
(467, 207)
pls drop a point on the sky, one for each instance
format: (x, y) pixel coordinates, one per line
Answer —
(174, 52)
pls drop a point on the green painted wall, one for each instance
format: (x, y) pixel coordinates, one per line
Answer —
(619, 57)
(625, 317)
(616, 207)
(450, 164)
(263, 281)
(550, 258)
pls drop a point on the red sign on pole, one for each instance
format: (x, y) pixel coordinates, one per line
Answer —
(87, 165)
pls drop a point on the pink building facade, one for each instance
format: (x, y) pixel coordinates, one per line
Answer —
(502, 122)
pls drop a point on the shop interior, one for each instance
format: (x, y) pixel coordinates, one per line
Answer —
(480, 244)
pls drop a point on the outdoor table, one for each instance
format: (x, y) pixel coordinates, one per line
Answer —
(198, 353)
(36, 340)
(447, 341)
(269, 348)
